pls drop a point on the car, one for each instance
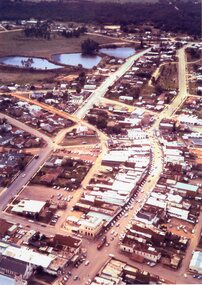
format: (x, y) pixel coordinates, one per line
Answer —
(87, 262)
(111, 255)
(75, 277)
(195, 276)
(23, 175)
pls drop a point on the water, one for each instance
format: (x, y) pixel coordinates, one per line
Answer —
(87, 61)
(121, 52)
(28, 62)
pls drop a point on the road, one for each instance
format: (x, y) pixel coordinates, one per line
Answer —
(98, 258)
(102, 89)
(31, 168)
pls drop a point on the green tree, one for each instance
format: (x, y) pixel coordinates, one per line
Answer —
(89, 46)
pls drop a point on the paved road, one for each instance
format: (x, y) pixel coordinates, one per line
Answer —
(31, 168)
(102, 89)
(98, 258)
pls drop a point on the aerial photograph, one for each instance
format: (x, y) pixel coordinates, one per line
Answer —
(100, 142)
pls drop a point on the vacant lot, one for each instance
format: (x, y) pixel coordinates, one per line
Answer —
(168, 78)
(15, 43)
(70, 141)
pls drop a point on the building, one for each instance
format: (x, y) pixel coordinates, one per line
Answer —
(147, 252)
(29, 207)
(12, 267)
(91, 227)
(196, 262)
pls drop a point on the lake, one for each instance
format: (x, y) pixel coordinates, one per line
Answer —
(74, 59)
(29, 62)
(120, 52)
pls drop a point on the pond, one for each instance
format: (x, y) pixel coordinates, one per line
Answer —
(29, 62)
(120, 52)
(87, 61)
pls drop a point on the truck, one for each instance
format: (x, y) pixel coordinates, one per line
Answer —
(101, 242)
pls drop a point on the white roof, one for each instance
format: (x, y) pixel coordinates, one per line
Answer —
(177, 212)
(154, 202)
(28, 255)
(196, 262)
(174, 198)
(28, 206)
(185, 186)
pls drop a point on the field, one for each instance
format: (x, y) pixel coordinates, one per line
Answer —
(79, 140)
(168, 78)
(15, 43)
(25, 76)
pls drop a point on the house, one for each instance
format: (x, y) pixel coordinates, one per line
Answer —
(148, 252)
(4, 226)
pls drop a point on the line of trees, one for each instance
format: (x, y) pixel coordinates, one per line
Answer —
(71, 33)
(181, 17)
(40, 30)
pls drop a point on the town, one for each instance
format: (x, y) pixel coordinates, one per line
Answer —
(100, 155)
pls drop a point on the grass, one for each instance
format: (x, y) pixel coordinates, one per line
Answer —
(15, 43)
(168, 78)
(193, 84)
(79, 140)
(25, 76)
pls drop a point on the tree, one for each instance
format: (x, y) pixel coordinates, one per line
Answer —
(158, 89)
(89, 46)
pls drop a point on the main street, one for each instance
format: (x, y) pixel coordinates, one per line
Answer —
(31, 168)
(102, 89)
(98, 258)
(34, 165)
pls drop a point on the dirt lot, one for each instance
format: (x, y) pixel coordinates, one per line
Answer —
(41, 193)
(198, 153)
(174, 223)
(15, 43)
(84, 153)
(80, 140)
